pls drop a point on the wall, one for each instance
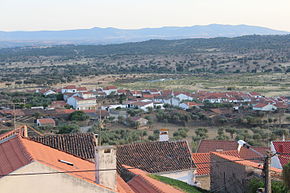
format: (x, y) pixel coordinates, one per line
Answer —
(185, 176)
(203, 181)
(229, 176)
(54, 183)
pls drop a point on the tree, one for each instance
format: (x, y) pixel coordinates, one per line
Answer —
(78, 116)
(286, 175)
(231, 131)
(68, 129)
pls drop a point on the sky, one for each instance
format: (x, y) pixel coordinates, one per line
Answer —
(31, 15)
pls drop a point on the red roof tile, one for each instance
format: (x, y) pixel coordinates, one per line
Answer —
(155, 157)
(201, 161)
(244, 162)
(142, 183)
(13, 155)
(207, 146)
(282, 147)
(46, 121)
(70, 87)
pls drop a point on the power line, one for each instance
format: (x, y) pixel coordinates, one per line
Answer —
(80, 171)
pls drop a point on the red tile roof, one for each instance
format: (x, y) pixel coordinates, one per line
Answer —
(70, 87)
(142, 183)
(260, 105)
(64, 111)
(19, 152)
(191, 104)
(16, 112)
(81, 88)
(13, 155)
(78, 144)
(282, 147)
(201, 161)
(207, 146)
(46, 121)
(110, 88)
(244, 162)
(155, 157)
(151, 96)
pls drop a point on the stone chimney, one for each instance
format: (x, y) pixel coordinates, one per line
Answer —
(106, 160)
(25, 131)
(163, 135)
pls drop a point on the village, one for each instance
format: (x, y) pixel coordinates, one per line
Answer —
(80, 120)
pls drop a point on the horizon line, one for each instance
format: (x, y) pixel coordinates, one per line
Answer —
(167, 26)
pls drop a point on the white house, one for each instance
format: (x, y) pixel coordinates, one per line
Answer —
(264, 107)
(78, 102)
(183, 96)
(136, 93)
(69, 89)
(142, 105)
(46, 92)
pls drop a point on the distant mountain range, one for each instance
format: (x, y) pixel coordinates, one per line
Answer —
(114, 35)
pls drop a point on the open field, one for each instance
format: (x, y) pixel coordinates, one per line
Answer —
(269, 84)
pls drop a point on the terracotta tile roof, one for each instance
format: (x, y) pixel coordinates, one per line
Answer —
(70, 87)
(64, 111)
(81, 88)
(282, 147)
(207, 146)
(50, 157)
(204, 168)
(110, 88)
(17, 112)
(260, 105)
(122, 186)
(155, 157)
(78, 144)
(142, 183)
(244, 162)
(191, 104)
(204, 158)
(19, 152)
(247, 154)
(46, 121)
(151, 96)
(140, 104)
(12, 155)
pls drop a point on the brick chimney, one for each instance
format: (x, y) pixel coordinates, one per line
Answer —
(163, 135)
(106, 159)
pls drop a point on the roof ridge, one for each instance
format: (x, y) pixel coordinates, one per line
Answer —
(24, 148)
(150, 142)
(153, 185)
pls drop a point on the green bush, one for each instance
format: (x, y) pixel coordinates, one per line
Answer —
(78, 116)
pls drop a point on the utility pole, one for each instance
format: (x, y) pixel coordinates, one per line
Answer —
(267, 171)
(267, 164)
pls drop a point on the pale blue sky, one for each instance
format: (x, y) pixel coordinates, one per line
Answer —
(76, 14)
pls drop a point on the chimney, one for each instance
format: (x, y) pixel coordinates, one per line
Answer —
(163, 135)
(106, 160)
(25, 131)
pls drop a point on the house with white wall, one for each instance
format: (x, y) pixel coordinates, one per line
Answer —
(264, 107)
(82, 101)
